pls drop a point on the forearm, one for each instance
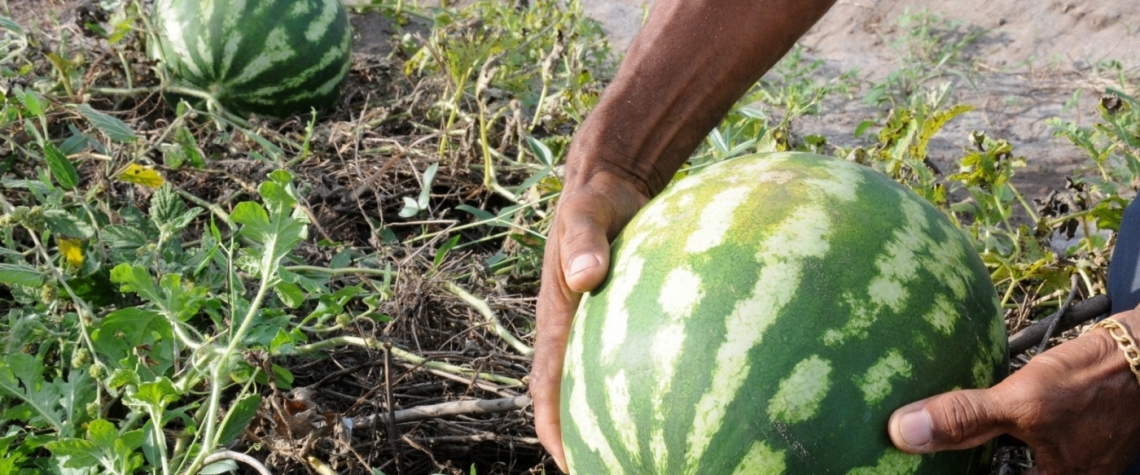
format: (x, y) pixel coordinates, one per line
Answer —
(692, 60)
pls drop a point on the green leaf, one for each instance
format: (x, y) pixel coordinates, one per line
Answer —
(33, 102)
(167, 210)
(238, 418)
(425, 192)
(153, 441)
(185, 139)
(118, 236)
(285, 342)
(290, 294)
(67, 224)
(122, 330)
(157, 394)
(278, 230)
(221, 466)
(179, 300)
(74, 395)
(21, 377)
(19, 274)
(81, 453)
(102, 433)
(479, 214)
(537, 178)
(283, 377)
(341, 260)
(135, 279)
(274, 151)
(61, 168)
(443, 250)
(253, 216)
(540, 151)
(10, 25)
(104, 446)
(411, 208)
(115, 129)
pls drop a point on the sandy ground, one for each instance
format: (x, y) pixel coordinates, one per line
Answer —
(1031, 60)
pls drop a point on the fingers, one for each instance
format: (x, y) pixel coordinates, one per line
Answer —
(584, 251)
(951, 421)
(576, 261)
(556, 305)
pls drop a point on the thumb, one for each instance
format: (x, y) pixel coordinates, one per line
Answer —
(951, 421)
(585, 250)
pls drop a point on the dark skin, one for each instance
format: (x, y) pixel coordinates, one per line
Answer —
(1075, 405)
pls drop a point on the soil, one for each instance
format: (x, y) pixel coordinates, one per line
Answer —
(1033, 61)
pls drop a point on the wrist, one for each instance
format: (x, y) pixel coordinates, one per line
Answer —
(1120, 329)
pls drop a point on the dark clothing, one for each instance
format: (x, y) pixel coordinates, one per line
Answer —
(1124, 275)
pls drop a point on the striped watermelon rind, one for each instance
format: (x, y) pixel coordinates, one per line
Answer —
(766, 315)
(267, 57)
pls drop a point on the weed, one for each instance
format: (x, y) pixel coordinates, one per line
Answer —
(930, 47)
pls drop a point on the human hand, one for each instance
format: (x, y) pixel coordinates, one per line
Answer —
(1074, 405)
(590, 214)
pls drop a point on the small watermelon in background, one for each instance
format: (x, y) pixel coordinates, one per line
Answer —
(766, 315)
(267, 57)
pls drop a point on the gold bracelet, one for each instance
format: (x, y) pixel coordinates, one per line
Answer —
(1125, 342)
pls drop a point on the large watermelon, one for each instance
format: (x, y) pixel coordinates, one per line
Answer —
(269, 57)
(766, 315)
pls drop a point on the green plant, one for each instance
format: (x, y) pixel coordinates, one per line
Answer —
(930, 47)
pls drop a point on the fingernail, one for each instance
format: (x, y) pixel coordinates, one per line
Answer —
(583, 262)
(914, 427)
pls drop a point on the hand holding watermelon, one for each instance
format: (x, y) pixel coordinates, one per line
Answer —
(577, 258)
(649, 120)
(1076, 405)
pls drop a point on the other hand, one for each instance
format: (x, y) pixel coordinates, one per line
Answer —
(1075, 405)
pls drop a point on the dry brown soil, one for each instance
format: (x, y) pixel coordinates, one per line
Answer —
(1032, 59)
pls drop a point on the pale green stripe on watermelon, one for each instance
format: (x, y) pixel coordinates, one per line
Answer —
(897, 267)
(799, 395)
(331, 56)
(983, 370)
(615, 326)
(907, 250)
(892, 462)
(655, 390)
(681, 292)
(942, 262)
(176, 36)
(876, 383)
(803, 235)
(229, 52)
(264, 7)
(716, 220)
(206, 9)
(581, 412)
(942, 315)
(619, 413)
(321, 24)
(230, 22)
(761, 460)
(300, 9)
(276, 50)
